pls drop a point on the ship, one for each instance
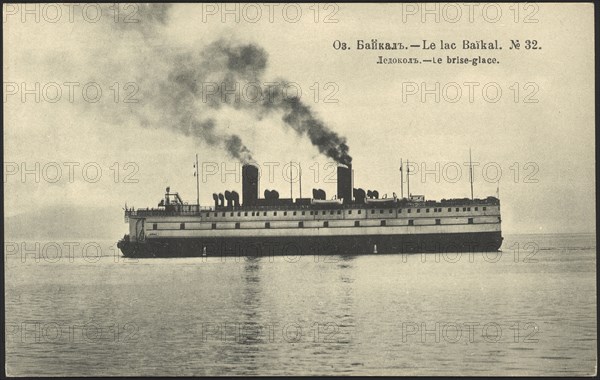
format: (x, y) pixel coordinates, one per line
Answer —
(352, 222)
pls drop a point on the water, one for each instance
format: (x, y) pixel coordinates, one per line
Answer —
(529, 311)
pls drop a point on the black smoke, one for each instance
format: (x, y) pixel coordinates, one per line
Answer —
(197, 83)
(299, 117)
(243, 64)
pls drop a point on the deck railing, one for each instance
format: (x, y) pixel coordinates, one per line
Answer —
(177, 210)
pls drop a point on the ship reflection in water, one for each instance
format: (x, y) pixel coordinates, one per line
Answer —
(312, 315)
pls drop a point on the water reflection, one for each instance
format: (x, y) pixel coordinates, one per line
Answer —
(249, 334)
(346, 318)
(218, 317)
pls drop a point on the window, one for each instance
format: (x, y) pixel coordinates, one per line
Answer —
(411, 222)
(246, 213)
(438, 221)
(294, 212)
(409, 211)
(464, 209)
(350, 212)
(323, 212)
(182, 226)
(484, 208)
(383, 223)
(360, 211)
(449, 209)
(468, 208)
(470, 221)
(214, 226)
(339, 212)
(253, 213)
(391, 211)
(331, 212)
(267, 225)
(300, 224)
(285, 213)
(457, 209)
(426, 210)
(223, 214)
(215, 214)
(325, 224)
(381, 211)
(356, 223)
(275, 213)
(303, 212)
(372, 211)
(399, 211)
(237, 226)
(207, 215)
(418, 210)
(476, 208)
(239, 213)
(155, 226)
(311, 213)
(231, 214)
(265, 213)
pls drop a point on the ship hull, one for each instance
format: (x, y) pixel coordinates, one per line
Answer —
(317, 245)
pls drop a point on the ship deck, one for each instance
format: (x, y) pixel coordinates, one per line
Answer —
(191, 210)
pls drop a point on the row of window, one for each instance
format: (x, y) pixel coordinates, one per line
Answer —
(301, 224)
(439, 209)
(339, 212)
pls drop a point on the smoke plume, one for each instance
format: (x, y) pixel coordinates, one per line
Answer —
(198, 83)
(299, 117)
(232, 65)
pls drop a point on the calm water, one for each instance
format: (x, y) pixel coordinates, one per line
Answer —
(529, 311)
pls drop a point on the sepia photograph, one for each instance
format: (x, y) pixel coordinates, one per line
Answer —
(299, 189)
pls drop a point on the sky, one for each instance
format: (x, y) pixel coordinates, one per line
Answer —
(127, 144)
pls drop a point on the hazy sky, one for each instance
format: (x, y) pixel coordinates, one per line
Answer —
(552, 140)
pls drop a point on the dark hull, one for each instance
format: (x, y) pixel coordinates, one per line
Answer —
(330, 245)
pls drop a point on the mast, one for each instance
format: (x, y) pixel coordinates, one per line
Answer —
(291, 183)
(197, 174)
(352, 183)
(300, 179)
(498, 190)
(471, 173)
(408, 178)
(401, 181)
